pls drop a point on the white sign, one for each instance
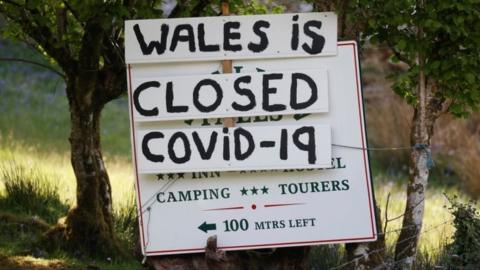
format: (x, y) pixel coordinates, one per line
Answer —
(262, 209)
(232, 37)
(227, 95)
(233, 149)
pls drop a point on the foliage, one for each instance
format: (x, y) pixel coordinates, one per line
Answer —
(35, 98)
(444, 33)
(255, 7)
(29, 93)
(237, 7)
(62, 23)
(465, 249)
(85, 39)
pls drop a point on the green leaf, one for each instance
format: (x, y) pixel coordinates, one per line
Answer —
(470, 77)
(401, 44)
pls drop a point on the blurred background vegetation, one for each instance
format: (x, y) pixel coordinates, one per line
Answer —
(37, 185)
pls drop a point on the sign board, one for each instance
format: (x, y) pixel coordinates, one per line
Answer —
(233, 149)
(261, 208)
(228, 95)
(232, 37)
(273, 180)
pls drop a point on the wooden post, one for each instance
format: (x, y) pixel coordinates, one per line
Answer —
(269, 259)
(227, 66)
(216, 259)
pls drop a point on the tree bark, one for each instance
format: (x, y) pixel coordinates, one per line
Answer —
(89, 226)
(425, 115)
(346, 29)
(405, 249)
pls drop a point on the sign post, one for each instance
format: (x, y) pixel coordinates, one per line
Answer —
(276, 174)
(227, 66)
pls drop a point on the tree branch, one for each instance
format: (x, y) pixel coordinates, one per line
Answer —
(199, 7)
(90, 48)
(196, 10)
(398, 54)
(33, 63)
(42, 34)
(113, 72)
(62, 22)
(12, 3)
(74, 13)
(386, 214)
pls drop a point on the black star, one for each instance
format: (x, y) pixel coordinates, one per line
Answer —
(180, 175)
(160, 176)
(264, 190)
(254, 190)
(171, 176)
(244, 191)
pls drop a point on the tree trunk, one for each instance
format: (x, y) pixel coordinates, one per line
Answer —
(89, 225)
(413, 217)
(425, 115)
(361, 253)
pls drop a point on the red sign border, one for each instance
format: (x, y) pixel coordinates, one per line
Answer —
(373, 237)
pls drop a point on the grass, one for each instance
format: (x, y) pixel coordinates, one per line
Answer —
(32, 263)
(37, 192)
(41, 164)
(37, 179)
(437, 226)
(31, 192)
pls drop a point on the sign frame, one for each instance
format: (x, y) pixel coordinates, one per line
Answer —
(367, 176)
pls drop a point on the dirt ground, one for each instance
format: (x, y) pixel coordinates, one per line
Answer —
(30, 263)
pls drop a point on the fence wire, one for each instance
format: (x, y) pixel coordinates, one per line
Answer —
(147, 206)
(389, 265)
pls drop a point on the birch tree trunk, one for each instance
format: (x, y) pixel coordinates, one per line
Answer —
(405, 249)
(425, 114)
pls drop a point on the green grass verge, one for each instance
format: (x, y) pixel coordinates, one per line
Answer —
(38, 181)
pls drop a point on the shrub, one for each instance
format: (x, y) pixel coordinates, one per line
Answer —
(29, 191)
(126, 224)
(326, 257)
(464, 251)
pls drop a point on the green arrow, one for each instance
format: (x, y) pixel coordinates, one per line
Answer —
(205, 227)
